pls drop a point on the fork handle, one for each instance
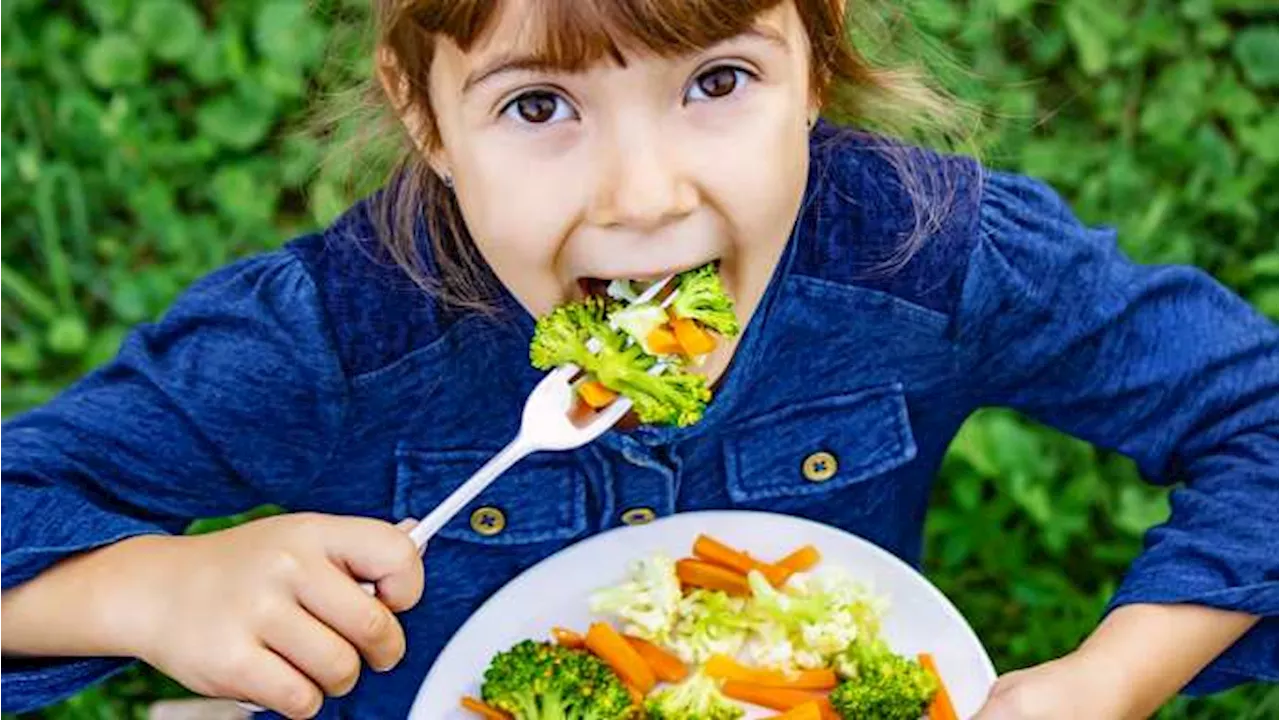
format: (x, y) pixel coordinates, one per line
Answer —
(458, 499)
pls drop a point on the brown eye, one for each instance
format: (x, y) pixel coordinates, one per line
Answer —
(537, 107)
(718, 83)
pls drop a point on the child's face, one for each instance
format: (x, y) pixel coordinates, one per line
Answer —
(631, 170)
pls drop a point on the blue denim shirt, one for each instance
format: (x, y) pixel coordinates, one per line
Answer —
(320, 378)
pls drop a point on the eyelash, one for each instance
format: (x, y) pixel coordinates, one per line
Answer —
(510, 110)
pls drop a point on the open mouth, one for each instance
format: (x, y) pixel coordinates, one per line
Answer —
(640, 341)
(626, 290)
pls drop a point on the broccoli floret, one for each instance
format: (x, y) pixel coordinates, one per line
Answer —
(561, 336)
(697, 698)
(880, 684)
(543, 681)
(671, 397)
(702, 298)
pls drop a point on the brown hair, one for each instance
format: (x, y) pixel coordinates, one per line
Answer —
(574, 34)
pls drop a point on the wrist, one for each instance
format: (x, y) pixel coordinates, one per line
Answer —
(80, 606)
(129, 580)
(1113, 687)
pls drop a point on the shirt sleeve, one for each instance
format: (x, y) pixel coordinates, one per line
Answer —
(232, 400)
(1160, 363)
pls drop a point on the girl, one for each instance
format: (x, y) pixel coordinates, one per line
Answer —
(886, 292)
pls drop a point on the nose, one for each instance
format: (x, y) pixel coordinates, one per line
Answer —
(641, 186)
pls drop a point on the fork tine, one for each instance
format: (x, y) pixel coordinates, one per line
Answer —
(609, 416)
(652, 291)
(564, 372)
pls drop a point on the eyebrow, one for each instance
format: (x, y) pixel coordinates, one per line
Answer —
(507, 63)
(534, 63)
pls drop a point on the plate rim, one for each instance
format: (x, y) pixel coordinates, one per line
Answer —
(988, 667)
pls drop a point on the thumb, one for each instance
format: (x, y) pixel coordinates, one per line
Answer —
(995, 708)
(407, 524)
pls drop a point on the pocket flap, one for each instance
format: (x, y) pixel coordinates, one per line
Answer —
(820, 445)
(542, 498)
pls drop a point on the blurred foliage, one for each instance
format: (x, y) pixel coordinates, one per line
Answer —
(149, 141)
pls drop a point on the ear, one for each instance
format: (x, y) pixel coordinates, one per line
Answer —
(397, 89)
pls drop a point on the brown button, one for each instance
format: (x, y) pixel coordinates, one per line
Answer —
(820, 467)
(639, 516)
(488, 521)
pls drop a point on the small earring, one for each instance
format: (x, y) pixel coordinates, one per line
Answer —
(447, 180)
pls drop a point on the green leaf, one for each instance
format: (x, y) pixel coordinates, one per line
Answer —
(1255, 49)
(1262, 140)
(220, 57)
(115, 60)
(241, 195)
(20, 357)
(107, 13)
(1012, 8)
(1139, 509)
(286, 34)
(171, 29)
(1093, 25)
(68, 335)
(1266, 266)
(239, 120)
(1267, 301)
(1092, 47)
(29, 298)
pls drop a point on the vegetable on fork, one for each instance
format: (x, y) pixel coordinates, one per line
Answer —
(639, 350)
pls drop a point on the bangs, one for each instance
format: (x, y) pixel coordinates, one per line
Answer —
(572, 35)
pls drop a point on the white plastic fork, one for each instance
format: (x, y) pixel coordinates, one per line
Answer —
(544, 425)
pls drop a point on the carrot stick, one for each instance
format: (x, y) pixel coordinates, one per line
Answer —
(800, 560)
(568, 638)
(665, 666)
(610, 647)
(595, 394)
(827, 710)
(770, 697)
(637, 697)
(488, 712)
(712, 577)
(662, 341)
(692, 338)
(805, 711)
(726, 668)
(941, 707)
(713, 551)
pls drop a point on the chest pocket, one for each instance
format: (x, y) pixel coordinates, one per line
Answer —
(542, 499)
(802, 454)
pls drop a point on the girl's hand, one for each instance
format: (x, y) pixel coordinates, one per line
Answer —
(270, 611)
(1073, 686)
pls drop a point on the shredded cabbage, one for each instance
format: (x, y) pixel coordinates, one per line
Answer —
(708, 623)
(639, 321)
(648, 601)
(803, 625)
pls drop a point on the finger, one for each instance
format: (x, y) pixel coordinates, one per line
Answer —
(406, 525)
(315, 649)
(380, 553)
(335, 599)
(276, 685)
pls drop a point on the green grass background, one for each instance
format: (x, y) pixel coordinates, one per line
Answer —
(149, 141)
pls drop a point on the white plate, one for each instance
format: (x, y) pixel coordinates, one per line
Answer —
(555, 591)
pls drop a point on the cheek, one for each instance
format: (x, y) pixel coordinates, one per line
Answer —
(759, 192)
(518, 212)
(757, 151)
